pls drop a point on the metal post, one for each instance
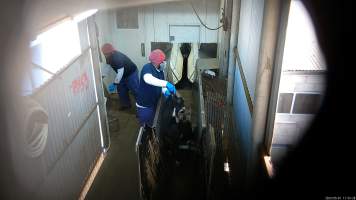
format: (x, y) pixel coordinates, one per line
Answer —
(267, 55)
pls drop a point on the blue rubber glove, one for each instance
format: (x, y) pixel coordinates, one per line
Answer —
(111, 87)
(167, 93)
(171, 87)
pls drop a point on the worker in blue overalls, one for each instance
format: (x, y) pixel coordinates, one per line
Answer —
(127, 74)
(152, 84)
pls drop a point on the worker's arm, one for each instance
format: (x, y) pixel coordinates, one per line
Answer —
(120, 73)
(149, 79)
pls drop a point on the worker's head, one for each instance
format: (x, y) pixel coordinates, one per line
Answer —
(107, 49)
(157, 57)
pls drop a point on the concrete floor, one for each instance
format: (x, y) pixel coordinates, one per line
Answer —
(118, 175)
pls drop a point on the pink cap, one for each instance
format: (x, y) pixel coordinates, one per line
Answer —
(157, 57)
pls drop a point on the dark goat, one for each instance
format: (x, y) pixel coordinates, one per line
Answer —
(175, 130)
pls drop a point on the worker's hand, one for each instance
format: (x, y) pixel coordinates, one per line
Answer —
(167, 93)
(171, 88)
(111, 87)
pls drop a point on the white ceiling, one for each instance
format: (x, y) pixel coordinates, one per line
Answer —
(41, 13)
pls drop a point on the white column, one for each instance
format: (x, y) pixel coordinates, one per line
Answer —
(266, 62)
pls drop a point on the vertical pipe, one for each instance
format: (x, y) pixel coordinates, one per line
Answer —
(233, 49)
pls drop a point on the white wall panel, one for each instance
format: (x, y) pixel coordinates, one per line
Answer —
(181, 13)
(105, 24)
(251, 16)
(128, 41)
(184, 33)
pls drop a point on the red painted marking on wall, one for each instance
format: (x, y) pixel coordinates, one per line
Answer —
(80, 84)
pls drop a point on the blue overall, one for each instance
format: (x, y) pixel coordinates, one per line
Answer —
(129, 79)
(148, 96)
(129, 83)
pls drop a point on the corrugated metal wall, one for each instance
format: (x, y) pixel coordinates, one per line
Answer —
(67, 104)
(74, 140)
(69, 174)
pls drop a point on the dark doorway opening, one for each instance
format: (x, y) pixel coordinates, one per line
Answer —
(184, 82)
